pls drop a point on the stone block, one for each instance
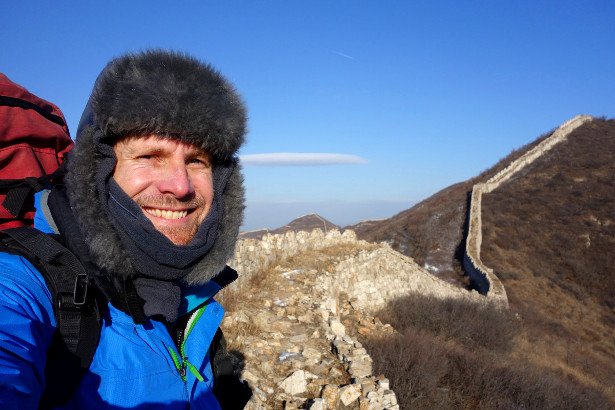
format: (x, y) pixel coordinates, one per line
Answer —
(337, 327)
(383, 384)
(350, 393)
(330, 395)
(294, 384)
(389, 399)
(360, 368)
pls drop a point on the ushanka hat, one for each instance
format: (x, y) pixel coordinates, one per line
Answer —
(171, 95)
(167, 94)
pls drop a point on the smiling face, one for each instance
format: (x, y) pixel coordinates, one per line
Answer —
(170, 180)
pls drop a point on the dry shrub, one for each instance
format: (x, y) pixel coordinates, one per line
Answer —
(230, 299)
(491, 382)
(560, 276)
(415, 364)
(561, 212)
(468, 323)
(456, 354)
(237, 331)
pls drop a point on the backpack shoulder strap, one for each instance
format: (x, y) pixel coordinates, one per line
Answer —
(75, 305)
(229, 389)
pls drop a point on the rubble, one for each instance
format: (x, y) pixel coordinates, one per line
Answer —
(301, 352)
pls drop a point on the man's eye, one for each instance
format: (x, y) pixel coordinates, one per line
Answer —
(198, 161)
(146, 156)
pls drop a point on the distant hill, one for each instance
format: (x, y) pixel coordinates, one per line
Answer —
(307, 222)
(363, 225)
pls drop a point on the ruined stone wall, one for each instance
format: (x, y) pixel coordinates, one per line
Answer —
(371, 277)
(252, 255)
(484, 277)
(558, 136)
(374, 278)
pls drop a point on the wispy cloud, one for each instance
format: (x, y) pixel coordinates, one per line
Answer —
(286, 159)
(343, 55)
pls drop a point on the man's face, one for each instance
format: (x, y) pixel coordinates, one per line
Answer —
(171, 181)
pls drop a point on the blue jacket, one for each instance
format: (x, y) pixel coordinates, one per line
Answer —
(135, 366)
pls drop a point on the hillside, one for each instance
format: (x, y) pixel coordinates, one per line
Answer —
(432, 232)
(549, 235)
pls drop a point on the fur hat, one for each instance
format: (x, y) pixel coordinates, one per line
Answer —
(167, 94)
(171, 95)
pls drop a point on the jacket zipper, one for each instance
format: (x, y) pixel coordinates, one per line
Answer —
(181, 361)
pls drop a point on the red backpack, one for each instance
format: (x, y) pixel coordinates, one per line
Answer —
(33, 141)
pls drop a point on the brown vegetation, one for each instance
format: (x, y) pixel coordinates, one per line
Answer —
(454, 354)
(561, 212)
(549, 235)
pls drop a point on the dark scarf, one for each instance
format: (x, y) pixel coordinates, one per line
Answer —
(160, 264)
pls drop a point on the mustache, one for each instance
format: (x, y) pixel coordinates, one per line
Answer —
(169, 201)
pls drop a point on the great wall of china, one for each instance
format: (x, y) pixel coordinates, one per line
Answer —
(370, 279)
(384, 274)
(485, 279)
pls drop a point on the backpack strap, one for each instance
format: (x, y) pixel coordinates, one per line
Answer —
(124, 298)
(28, 105)
(231, 392)
(75, 306)
(19, 190)
(229, 389)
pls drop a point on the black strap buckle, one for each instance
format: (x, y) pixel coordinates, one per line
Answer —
(80, 293)
(76, 300)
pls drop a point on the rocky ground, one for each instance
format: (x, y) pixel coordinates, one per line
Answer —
(299, 348)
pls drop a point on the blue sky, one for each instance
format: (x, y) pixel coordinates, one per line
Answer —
(411, 96)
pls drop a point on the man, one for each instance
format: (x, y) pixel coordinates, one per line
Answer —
(152, 207)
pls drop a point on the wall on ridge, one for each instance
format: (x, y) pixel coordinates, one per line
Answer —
(484, 278)
(372, 278)
(375, 277)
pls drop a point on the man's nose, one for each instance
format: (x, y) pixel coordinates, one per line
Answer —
(176, 180)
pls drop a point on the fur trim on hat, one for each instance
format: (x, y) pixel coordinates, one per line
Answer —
(171, 95)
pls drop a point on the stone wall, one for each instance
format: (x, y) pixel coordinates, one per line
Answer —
(484, 277)
(371, 277)
(252, 255)
(374, 278)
